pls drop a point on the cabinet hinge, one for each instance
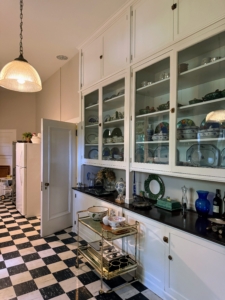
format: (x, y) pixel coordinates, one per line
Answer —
(82, 127)
(131, 74)
(75, 222)
(76, 132)
(130, 160)
(131, 118)
(75, 195)
(131, 13)
(81, 54)
(131, 57)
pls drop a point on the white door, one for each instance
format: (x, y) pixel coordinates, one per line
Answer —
(58, 159)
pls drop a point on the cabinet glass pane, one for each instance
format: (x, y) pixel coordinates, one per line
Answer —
(201, 90)
(152, 113)
(91, 102)
(113, 121)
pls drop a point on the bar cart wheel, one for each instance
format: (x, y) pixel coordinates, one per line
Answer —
(3, 197)
(101, 292)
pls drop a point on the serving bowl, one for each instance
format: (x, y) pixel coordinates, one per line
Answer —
(97, 212)
(115, 221)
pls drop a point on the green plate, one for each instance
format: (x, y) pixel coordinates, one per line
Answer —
(161, 192)
(185, 123)
(116, 132)
(106, 133)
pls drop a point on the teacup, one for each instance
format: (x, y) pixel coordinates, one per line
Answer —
(109, 140)
(120, 139)
(115, 139)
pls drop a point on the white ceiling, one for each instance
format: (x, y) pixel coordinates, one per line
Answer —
(50, 28)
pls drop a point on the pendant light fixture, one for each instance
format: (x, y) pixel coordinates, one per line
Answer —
(19, 75)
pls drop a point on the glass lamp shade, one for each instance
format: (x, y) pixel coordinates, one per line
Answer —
(216, 116)
(20, 76)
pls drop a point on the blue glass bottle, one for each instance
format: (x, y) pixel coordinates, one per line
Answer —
(202, 204)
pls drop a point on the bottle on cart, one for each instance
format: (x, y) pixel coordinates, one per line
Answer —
(217, 204)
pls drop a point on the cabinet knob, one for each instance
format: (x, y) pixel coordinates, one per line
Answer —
(174, 6)
(170, 257)
(172, 110)
(101, 56)
(165, 239)
(100, 124)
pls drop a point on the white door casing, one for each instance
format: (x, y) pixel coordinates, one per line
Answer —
(58, 160)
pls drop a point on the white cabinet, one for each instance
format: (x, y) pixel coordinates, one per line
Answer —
(150, 254)
(108, 53)
(152, 26)
(194, 267)
(191, 15)
(91, 60)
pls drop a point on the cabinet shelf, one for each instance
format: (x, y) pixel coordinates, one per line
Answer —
(202, 74)
(203, 107)
(92, 125)
(154, 114)
(113, 144)
(119, 122)
(114, 102)
(155, 89)
(153, 142)
(93, 107)
(202, 140)
(90, 145)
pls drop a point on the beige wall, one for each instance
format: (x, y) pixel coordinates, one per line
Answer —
(59, 99)
(17, 111)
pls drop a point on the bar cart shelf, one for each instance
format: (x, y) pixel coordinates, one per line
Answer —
(107, 259)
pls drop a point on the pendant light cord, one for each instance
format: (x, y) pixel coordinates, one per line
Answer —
(21, 27)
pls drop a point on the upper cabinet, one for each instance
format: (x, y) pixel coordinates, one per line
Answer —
(107, 54)
(152, 26)
(192, 15)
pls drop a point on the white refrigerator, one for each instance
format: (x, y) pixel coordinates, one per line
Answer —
(28, 179)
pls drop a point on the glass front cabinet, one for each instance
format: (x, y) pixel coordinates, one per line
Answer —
(104, 113)
(151, 115)
(200, 91)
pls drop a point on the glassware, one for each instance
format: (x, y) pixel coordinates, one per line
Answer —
(202, 204)
(184, 200)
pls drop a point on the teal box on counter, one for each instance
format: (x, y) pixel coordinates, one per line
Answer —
(168, 204)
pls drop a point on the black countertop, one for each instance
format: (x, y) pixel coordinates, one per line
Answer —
(190, 223)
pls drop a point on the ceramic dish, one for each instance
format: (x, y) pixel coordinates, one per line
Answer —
(185, 130)
(194, 101)
(114, 151)
(188, 136)
(150, 157)
(92, 120)
(147, 185)
(107, 118)
(97, 212)
(91, 137)
(160, 137)
(106, 134)
(106, 151)
(222, 158)
(163, 126)
(205, 134)
(139, 155)
(116, 132)
(204, 155)
(206, 125)
(161, 154)
(185, 123)
(93, 153)
(115, 221)
(139, 127)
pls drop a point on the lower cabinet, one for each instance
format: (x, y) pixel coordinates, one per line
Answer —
(194, 267)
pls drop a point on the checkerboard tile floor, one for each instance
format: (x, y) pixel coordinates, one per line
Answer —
(35, 268)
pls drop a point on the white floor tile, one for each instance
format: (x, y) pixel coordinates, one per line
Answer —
(38, 242)
(4, 273)
(13, 262)
(127, 292)
(27, 251)
(30, 233)
(46, 253)
(60, 265)
(8, 293)
(21, 241)
(150, 295)
(44, 281)
(34, 264)
(71, 284)
(5, 239)
(95, 287)
(72, 246)
(66, 255)
(11, 225)
(3, 230)
(14, 232)
(25, 226)
(8, 249)
(81, 270)
(64, 236)
(61, 297)
(56, 244)
(36, 295)
(21, 277)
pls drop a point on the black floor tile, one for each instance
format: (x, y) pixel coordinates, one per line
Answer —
(108, 296)
(10, 222)
(2, 265)
(82, 294)
(5, 282)
(83, 242)
(60, 232)
(18, 236)
(30, 257)
(24, 245)
(35, 224)
(6, 217)
(51, 259)
(3, 211)
(51, 291)
(63, 275)
(42, 247)
(23, 223)
(17, 269)
(72, 233)
(2, 226)
(51, 239)
(32, 218)
(6, 244)
(88, 277)
(28, 229)
(42, 271)
(34, 237)
(115, 282)
(70, 262)
(13, 228)
(11, 255)
(69, 241)
(61, 249)
(139, 286)
(3, 234)
(25, 287)
(89, 265)
(138, 297)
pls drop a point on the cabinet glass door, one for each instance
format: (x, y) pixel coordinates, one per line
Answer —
(201, 90)
(152, 114)
(91, 121)
(113, 121)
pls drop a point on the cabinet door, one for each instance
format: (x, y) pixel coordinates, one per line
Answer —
(82, 202)
(116, 46)
(192, 15)
(152, 26)
(201, 83)
(150, 251)
(151, 111)
(195, 269)
(92, 62)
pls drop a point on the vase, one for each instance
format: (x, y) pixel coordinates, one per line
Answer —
(121, 187)
(109, 186)
(202, 204)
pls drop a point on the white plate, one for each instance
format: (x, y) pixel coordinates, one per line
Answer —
(93, 154)
(90, 137)
(203, 155)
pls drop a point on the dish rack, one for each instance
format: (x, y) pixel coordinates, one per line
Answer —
(107, 259)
